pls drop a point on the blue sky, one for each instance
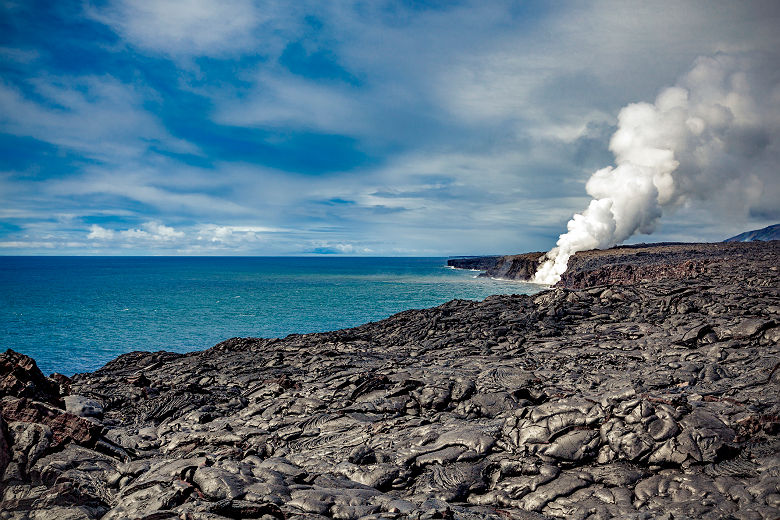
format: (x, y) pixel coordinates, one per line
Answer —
(349, 127)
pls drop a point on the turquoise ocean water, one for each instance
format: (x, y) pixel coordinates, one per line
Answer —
(74, 314)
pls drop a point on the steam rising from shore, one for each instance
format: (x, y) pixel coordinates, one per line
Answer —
(713, 136)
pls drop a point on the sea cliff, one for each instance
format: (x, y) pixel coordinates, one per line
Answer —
(618, 265)
(645, 385)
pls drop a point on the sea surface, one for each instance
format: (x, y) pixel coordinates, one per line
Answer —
(74, 314)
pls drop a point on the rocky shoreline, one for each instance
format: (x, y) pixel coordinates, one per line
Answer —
(644, 386)
(621, 265)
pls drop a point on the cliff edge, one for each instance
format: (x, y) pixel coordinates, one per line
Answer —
(623, 265)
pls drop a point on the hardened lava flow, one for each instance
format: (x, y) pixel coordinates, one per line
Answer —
(644, 385)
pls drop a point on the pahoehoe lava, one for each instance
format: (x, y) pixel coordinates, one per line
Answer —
(644, 386)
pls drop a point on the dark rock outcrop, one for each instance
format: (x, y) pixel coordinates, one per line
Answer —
(515, 267)
(654, 398)
(21, 377)
(623, 265)
(510, 267)
(629, 265)
(5, 455)
(476, 263)
(64, 427)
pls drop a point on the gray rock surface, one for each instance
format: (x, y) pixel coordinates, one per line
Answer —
(621, 265)
(83, 406)
(648, 399)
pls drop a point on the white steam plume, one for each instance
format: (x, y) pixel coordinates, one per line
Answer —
(713, 136)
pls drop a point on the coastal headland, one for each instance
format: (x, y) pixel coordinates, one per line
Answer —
(623, 265)
(646, 384)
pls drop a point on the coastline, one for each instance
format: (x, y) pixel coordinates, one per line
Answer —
(647, 391)
(77, 314)
(617, 265)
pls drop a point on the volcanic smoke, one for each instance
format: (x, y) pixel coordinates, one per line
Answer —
(713, 137)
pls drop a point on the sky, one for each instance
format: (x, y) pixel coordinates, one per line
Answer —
(366, 127)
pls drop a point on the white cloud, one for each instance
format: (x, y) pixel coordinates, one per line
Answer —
(18, 55)
(339, 248)
(204, 237)
(157, 231)
(99, 233)
(148, 232)
(98, 116)
(286, 101)
(22, 244)
(235, 235)
(180, 191)
(582, 63)
(186, 27)
(480, 125)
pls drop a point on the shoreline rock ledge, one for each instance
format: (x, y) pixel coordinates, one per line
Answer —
(618, 265)
(638, 392)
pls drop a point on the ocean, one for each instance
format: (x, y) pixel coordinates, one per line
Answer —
(74, 314)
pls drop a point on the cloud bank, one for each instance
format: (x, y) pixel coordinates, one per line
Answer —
(350, 127)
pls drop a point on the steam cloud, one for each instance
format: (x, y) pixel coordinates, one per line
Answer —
(712, 137)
